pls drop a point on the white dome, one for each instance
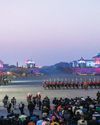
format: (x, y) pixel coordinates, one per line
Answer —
(30, 62)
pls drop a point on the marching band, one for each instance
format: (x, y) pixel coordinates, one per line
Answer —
(65, 84)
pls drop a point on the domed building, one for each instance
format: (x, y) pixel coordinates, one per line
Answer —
(30, 63)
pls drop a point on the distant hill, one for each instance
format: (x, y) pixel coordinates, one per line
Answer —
(59, 68)
(56, 69)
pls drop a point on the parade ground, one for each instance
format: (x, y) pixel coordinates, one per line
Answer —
(20, 90)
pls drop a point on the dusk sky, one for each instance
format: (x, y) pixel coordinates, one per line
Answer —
(49, 31)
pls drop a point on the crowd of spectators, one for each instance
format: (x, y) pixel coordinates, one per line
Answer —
(56, 111)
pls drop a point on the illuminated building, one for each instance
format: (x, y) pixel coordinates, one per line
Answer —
(97, 60)
(83, 63)
(30, 63)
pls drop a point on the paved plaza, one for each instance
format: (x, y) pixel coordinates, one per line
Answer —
(21, 91)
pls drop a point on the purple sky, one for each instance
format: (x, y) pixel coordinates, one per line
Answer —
(49, 31)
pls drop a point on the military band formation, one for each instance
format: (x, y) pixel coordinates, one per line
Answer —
(58, 84)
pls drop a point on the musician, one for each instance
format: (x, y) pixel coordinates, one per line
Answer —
(85, 84)
(81, 84)
(66, 84)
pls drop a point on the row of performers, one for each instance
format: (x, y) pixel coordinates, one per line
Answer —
(70, 85)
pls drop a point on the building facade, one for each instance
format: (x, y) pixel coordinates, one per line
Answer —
(97, 60)
(30, 63)
(87, 63)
